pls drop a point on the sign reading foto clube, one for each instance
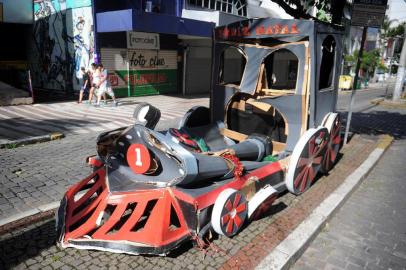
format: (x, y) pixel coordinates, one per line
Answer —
(140, 40)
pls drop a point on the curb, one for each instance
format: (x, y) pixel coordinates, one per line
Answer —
(294, 245)
(31, 140)
(377, 101)
(28, 217)
(389, 104)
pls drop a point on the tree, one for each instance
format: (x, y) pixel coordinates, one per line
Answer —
(370, 61)
(398, 30)
(299, 9)
(385, 27)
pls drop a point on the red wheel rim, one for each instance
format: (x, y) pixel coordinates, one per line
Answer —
(333, 145)
(234, 214)
(309, 162)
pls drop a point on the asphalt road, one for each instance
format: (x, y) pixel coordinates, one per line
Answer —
(362, 98)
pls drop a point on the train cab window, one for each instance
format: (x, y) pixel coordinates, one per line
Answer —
(232, 65)
(328, 50)
(281, 70)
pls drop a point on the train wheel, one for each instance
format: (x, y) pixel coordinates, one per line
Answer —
(332, 122)
(229, 212)
(306, 160)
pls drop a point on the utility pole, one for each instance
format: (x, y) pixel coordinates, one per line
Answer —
(361, 50)
(401, 73)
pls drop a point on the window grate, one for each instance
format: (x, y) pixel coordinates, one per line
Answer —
(236, 7)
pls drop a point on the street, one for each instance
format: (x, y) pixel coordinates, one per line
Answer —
(39, 174)
(35, 175)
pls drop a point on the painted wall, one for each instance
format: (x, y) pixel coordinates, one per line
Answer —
(17, 11)
(62, 43)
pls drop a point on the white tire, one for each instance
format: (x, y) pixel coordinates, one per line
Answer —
(229, 212)
(305, 161)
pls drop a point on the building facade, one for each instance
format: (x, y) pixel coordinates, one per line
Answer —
(15, 17)
(62, 42)
(148, 47)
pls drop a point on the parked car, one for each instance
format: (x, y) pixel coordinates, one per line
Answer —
(379, 76)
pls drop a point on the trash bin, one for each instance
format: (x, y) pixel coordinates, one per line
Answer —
(358, 86)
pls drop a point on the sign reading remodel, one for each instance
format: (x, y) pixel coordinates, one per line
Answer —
(141, 72)
(140, 40)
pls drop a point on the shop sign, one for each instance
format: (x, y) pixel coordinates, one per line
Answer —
(368, 13)
(140, 40)
(141, 72)
(262, 30)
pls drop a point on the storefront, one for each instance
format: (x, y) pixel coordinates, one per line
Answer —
(138, 72)
(145, 52)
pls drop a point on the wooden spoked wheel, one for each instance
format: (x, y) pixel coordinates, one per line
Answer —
(306, 160)
(332, 122)
(229, 212)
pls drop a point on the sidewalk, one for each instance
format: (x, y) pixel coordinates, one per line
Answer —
(369, 232)
(17, 122)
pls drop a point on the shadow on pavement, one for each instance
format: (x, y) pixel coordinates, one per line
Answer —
(378, 122)
(195, 96)
(27, 243)
(22, 127)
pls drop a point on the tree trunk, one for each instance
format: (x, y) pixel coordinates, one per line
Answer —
(401, 73)
(337, 10)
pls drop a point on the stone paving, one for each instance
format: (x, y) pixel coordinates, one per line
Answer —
(35, 175)
(38, 174)
(380, 120)
(369, 231)
(34, 247)
(20, 122)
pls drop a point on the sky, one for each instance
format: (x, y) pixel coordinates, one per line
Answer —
(397, 10)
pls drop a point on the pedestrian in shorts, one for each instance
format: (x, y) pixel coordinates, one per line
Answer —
(104, 86)
(94, 80)
(85, 88)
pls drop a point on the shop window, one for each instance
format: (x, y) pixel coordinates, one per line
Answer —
(232, 66)
(236, 7)
(153, 6)
(281, 70)
(328, 49)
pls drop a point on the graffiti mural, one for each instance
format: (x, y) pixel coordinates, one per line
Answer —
(83, 39)
(63, 42)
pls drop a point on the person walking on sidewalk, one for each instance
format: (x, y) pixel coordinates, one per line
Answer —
(104, 85)
(94, 80)
(86, 84)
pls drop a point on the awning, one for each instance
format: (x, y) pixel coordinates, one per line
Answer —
(134, 20)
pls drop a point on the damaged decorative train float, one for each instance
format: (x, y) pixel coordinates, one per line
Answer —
(271, 126)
